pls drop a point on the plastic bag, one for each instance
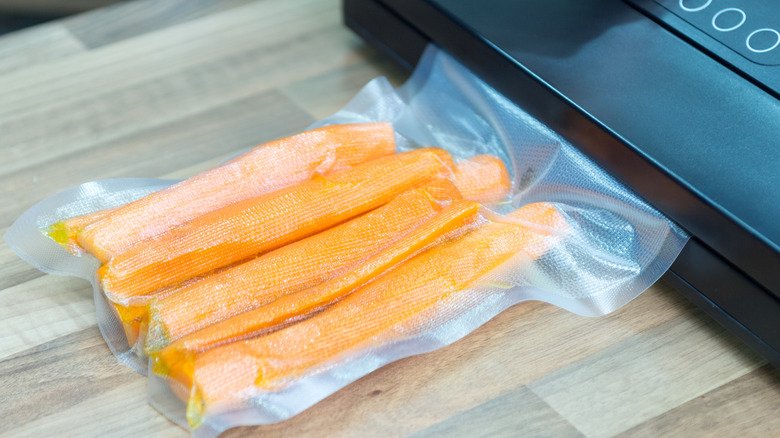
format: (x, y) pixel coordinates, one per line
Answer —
(607, 247)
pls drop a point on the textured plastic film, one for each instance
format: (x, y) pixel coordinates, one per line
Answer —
(394, 305)
(607, 246)
(400, 264)
(621, 244)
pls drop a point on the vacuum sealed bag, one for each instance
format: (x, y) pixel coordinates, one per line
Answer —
(397, 226)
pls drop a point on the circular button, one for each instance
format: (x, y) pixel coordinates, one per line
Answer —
(694, 5)
(728, 19)
(763, 40)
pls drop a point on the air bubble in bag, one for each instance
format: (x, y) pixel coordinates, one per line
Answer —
(615, 245)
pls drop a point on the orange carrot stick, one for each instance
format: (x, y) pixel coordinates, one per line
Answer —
(483, 178)
(176, 359)
(293, 267)
(263, 223)
(169, 321)
(264, 169)
(480, 176)
(378, 312)
(65, 231)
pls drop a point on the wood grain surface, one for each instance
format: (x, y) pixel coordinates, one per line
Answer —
(169, 88)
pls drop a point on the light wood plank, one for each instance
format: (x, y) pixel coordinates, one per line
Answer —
(158, 150)
(58, 375)
(42, 310)
(745, 407)
(325, 94)
(75, 380)
(129, 19)
(37, 46)
(209, 73)
(518, 413)
(239, 31)
(116, 412)
(646, 375)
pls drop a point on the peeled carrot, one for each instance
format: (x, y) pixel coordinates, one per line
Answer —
(264, 169)
(65, 231)
(176, 359)
(383, 310)
(483, 178)
(479, 176)
(290, 268)
(263, 223)
(171, 319)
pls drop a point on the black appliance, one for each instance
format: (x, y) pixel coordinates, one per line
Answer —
(679, 99)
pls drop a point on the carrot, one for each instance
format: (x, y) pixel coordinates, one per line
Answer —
(175, 360)
(384, 310)
(132, 315)
(65, 231)
(264, 169)
(290, 268)
(263, 223)
(483, 178)
(169, 321)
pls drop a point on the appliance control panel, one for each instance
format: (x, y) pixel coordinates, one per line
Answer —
(744, 34)
(748, 27)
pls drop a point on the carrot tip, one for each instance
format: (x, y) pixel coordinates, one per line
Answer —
(58, 232)
(483, 178)
(65, 236)
(196, 407)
